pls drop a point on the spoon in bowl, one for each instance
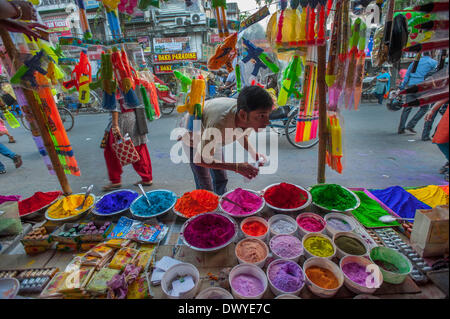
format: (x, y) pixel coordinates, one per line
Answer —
(390, 219)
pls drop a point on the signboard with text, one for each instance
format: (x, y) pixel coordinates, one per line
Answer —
(175, 57)
(172, 45)
(59, 25)
(163, 68)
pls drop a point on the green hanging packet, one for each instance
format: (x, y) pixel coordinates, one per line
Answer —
(10, 118)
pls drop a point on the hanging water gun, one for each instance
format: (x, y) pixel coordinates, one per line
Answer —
(320, 40)
(124, 76)
(105, 80)
(195, 99)
(417, 35)
(127, 6)
(352, 59)
(291, 77)
(80, 77)
(330, 75)
(238, 77)
(113, 22)
(144, 4)
(225, 54)
(261, 58)
(219, 7)
(334, 147)
(83, 20)
(184, 80)
(359, 74)
(25, 74)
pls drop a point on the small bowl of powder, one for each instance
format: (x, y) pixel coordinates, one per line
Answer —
(255, 227)
(252, 251)
(349, 244)
(310, 223)
(285, 197)
(280, 224)
(394, 266)
(361, 276)
(214, 293)
(318, 245)
(323, 277)
(286, 247)
(285, 276)
(248, 199)
(247, 281)
(338, 222)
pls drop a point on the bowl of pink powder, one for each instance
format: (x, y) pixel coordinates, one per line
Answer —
(310, 223)
(361, 276)
(250, 201)
(286, 247)
(247, 281)
(209, 231)
(285, 276)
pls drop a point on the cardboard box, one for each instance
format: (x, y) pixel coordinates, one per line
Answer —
(430, 233)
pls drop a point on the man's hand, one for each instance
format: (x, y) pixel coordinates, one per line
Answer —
(429, 115)
(28, 11)
(26, 28)
(261, 159)
(247, 170)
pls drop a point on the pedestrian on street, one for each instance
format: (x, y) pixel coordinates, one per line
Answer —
(383, 84)
(425, 67)
(249, 112)
(17, 159)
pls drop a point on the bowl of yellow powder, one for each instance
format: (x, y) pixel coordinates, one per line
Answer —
(65, 209)
(318, 245)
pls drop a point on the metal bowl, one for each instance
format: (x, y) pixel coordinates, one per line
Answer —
(156, 215)
(39, 211)
(327, 210)
(74, 217)
(247, 215)
(186, 223)
(287, 210)
(95, 212)
(185, 217)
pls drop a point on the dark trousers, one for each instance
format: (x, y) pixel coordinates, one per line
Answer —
(427, 126)
(416, 118)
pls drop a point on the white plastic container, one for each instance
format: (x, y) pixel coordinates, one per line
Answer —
(263, 237)
(278, 217)
(276, 291)
(248, 269)
(308, 254)
(287, 296)
(277, 256)
(214, 293)
(355, 287)
(301, 231)
(260, 263)
(330, 231)
(183, 269)
(327, 264)
(340, 253)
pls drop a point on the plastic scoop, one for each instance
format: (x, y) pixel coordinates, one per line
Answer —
(390, 219)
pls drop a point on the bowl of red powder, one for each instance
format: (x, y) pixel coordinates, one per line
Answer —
(310, 223)
(196, 202)
(255, 227)
(361, 276)
(323, 277)
(33, 206)
(285, 197)
(209, 231)
(248, 199)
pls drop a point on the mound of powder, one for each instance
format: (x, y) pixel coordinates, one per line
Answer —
(311, 224)
(114, 202)
(159, 200)
(286, 275)
(357, 273)
(286, 196)
(283, 226)
(333, 196)
(251, 250)
(250, 201)
(247, 285)
(286, 246)
(339, 224)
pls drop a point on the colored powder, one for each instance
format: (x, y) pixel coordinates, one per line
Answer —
(319, 246)
(369, 212)
(251, 250)
(387, 266)
(286, 246)
(9, 198)
(283, 226)
(247, 285)
(339, 224)
(254, 228)
(114, 202)
(209, 231)
(159, 200)
(357, 273)
(248, 200)
(350, 245)
(37, 201)
(322, 277)
(443, 187)
(333, 196)
(400, 201)
(311, 224)
(286, 276)
(67, 206)
(432, 195)
(285, 196)
(197, 202)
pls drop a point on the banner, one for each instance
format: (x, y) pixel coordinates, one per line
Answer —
(172, 45)
(175, 57)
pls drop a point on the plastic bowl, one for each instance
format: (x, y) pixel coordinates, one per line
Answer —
(74, 217)
(277, 291)
(247, 269)
(259, 219)
(293, 258)
(141, 217)
(327, 210)
(183, 269)
(214, 293)
(301, 231)
(119, 212)
(278, 217)
(243, 215)
(308, 254)
(395, 258)
(260, 263)
(327, 264)
(9, 288)
(186, 223)
(330, 230)
(286, 210)
(340, 253)
(355, 287)
(287, 296)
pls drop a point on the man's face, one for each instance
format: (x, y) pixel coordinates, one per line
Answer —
(256, 120)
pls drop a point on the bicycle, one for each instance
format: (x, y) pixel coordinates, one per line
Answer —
(66, 118)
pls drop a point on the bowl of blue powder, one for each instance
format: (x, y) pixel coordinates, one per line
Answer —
(161, 201)
(115, 202)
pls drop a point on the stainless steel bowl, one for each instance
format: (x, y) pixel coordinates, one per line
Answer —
(327, 210)
(185, 217)
(242, 216)
(95, 212)
(186, 223)
(287, 210)
(156, 215)
(74, 217)
(39, 211)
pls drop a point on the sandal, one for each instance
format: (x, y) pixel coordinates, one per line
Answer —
(111, 187)
(143, 183)
(12, 140)
(17, 161)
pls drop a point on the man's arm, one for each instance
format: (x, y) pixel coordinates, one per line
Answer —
(434, 109)
(247, 146)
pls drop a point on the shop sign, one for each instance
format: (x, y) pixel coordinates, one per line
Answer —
(172, 57)
(163, 68)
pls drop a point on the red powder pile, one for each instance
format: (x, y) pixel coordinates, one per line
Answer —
(197, 202)
(285, 196)
(36, 202)
(254, 228)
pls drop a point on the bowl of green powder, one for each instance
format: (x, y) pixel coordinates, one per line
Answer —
(333, 198)
(349, 244)
(393, 265)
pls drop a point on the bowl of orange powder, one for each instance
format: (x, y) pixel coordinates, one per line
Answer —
(323, 277)
(196, 202)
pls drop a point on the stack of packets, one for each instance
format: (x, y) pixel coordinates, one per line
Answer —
(127, 228)
(181, 285)
(161, 267)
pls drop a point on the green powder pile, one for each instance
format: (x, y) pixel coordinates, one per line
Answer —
(370, 211)
(332, 196)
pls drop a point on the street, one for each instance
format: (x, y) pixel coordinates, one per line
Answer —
(374, 157)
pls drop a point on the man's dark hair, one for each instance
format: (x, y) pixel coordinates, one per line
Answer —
(426, 53)
(253, 98)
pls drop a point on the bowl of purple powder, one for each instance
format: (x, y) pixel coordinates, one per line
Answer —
(115, 202)
(209, 231)
(285, 276)
(361, 276)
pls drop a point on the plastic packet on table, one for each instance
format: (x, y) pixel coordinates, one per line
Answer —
(123, 257)
(100, 251)
(143, 258)
(9, 219)
(77, 280)
(131, 229)
(53, 287)
(138, 288)
(98, 283)
(74, 264)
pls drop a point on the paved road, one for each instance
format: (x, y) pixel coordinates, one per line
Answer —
(375, 157)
